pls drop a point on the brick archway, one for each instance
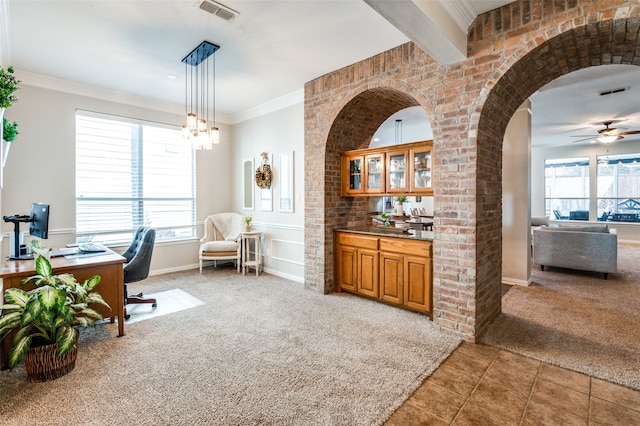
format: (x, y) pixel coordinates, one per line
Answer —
(353, 127)
(469, 105)
(577, 48)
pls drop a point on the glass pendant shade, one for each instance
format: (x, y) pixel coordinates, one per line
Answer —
(214, 135)
(192, 121)
(202, 126)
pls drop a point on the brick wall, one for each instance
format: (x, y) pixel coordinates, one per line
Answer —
(513, 51)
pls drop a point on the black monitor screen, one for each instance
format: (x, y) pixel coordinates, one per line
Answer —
(40, 216)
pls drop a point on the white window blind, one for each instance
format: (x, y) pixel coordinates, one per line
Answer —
(131, 173)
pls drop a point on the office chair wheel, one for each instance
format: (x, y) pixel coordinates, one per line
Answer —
(155, 305)
(127, 316)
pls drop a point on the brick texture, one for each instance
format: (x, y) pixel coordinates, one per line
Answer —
(512, 52)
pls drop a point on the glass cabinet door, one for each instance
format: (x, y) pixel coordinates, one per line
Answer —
(421, 160)
(355, 174)
(397, 171)
(352, 174)
(375, 173)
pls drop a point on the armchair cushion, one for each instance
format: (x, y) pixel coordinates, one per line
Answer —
(218, 246)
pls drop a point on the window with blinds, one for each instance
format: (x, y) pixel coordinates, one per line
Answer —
(131, 173)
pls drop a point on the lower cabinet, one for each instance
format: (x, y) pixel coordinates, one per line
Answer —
(395, 270)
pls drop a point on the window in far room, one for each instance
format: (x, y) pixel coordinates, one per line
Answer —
(567, 188)
(131, 173)
(619, 188)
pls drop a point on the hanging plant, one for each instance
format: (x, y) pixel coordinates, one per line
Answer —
(8, 85)
(263, 173)
(9, 130)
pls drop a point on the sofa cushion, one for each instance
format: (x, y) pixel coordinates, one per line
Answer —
(586, 228)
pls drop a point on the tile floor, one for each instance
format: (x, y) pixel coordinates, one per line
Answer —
(483, 385)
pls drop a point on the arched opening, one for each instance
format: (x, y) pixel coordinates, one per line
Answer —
(352, 128)
(577, 49)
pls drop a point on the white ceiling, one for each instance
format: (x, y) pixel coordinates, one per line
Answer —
(268, 51)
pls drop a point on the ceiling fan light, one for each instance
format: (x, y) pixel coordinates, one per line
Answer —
(608, 138)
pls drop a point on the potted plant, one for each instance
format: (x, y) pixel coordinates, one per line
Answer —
(400, 199)
(247, 223)
(8, 85)
(9, 134)
(45, 320)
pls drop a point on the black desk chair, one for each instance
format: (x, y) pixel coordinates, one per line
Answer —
(136, 267)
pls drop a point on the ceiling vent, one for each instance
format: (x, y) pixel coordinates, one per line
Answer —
(218, 9)
(612, 91)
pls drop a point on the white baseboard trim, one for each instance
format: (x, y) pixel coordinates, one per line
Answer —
(280, 274)
(513, 281)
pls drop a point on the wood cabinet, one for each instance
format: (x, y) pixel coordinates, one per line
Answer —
(397, 271)
(396, 170)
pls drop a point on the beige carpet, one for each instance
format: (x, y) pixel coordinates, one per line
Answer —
(260, 351)
(577, 320)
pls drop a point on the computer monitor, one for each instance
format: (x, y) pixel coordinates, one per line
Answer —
(39, 225)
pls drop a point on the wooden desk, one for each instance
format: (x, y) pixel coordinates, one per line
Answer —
(109, 266)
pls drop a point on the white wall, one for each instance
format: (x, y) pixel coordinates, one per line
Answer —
(41, 167)
(516, 192)
(626, 231)
(277, 132)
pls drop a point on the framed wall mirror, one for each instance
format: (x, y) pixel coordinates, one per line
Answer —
(285, 182)
(248, 193)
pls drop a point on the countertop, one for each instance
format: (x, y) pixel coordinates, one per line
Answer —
(381, 231)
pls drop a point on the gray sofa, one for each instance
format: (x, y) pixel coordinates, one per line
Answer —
(586, 248)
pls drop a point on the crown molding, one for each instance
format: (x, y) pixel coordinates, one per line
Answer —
(461, 12)
(87, 90)
(268, 107)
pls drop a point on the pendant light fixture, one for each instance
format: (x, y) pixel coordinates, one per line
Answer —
(200, 95)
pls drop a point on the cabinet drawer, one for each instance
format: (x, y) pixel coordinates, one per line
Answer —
(402, 245)
(358, 241)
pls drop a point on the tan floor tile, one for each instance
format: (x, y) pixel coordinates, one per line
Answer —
(409, 415)
(475, 414)
(494, 398)
(615, 393)
(478, 350)
(467, 363)
(519, 362)
(437, 400)
(454, 380)
(562, 376)
(519, 380)
(538, 413)
(561, 398)
(608, 413)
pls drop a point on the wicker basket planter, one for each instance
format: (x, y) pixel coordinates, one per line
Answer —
(42, 364)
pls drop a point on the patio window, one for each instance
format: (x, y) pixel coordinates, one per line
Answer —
(619, 187)
(567, 188)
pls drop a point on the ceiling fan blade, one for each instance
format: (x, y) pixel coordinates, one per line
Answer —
(631, 132)
(585, 136)
(590, 138)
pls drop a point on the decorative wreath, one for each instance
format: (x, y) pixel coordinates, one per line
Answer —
(263, 176)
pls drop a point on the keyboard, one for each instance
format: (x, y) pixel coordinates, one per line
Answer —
(91, 248)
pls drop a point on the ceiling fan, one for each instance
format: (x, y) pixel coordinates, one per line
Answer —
(608, 134)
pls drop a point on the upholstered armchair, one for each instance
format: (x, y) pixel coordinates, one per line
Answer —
(221, 241)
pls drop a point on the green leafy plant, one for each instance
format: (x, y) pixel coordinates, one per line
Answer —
(9, 130)
(49, 313)
(248, 219)
(8, 85)
(401, 198)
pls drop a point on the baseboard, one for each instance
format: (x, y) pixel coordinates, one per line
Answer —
(513, 281)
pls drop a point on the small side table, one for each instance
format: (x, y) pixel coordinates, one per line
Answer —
(247, 260)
